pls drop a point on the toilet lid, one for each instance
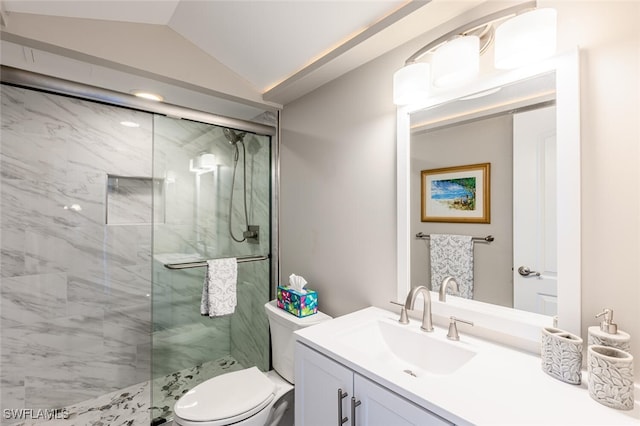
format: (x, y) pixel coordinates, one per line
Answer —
(234, 396)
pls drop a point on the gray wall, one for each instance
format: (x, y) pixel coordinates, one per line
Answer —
(337, 192)
(483, 141)
(338, 172)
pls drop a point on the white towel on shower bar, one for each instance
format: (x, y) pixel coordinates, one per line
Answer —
(219, 291)
(452, 255)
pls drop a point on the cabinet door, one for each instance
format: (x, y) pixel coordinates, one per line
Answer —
(317, 381)
(381, 407)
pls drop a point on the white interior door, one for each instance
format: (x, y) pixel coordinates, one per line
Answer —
(534, 211)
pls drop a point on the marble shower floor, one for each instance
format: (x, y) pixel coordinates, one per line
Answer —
(131, 406)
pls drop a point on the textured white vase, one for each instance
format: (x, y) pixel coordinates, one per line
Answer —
(561, 354)
(610, 376)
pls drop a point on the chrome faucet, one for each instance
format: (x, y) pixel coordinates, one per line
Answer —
(427, 322)
(443, 288)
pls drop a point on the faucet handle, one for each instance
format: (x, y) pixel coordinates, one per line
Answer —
(453, 328)
(404, 318)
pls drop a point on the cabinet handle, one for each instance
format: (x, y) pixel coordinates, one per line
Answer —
(354, 404)
(341, 395)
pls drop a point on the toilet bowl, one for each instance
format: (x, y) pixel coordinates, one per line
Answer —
(250, 397)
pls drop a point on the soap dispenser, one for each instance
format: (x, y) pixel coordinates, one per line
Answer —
(607, 333)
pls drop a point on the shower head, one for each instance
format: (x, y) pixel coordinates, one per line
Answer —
(232, 136)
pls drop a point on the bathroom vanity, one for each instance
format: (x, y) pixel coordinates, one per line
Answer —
(368, 367)
(332, 390)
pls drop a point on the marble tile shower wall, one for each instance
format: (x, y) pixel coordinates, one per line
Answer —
(249, 325)
(176, 143)
(181, 335)
(75, 293)
(75, 298)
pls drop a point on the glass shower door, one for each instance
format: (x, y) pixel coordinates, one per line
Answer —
(199, 202)
(75, 264)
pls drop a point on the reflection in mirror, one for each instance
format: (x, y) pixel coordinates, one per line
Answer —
(513, 129)
(475, 124)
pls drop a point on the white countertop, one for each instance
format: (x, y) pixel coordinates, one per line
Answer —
(499, 386)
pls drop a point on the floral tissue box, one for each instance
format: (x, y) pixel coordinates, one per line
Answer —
(296, 303)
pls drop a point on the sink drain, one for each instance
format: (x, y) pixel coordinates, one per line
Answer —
(409, 372)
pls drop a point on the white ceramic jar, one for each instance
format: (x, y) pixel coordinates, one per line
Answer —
(610, 376)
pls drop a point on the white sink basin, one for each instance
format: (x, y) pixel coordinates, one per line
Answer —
(407, 349)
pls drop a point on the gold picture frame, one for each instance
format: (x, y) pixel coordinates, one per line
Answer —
(456, 194)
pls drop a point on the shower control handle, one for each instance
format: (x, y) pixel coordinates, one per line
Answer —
(252, 234)
(341, 395)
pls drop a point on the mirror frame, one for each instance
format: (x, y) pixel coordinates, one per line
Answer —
(507, 325)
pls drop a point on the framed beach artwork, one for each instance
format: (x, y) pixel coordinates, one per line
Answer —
(456, 194)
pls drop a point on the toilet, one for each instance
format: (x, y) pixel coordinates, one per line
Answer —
(250, 397)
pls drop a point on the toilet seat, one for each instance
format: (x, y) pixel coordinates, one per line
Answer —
(226, 399)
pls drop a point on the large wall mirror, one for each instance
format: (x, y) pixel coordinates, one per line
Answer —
(526, 124)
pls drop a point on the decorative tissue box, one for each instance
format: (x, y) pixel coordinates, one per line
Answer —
(296, 303)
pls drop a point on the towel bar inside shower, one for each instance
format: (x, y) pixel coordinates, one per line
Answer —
(486, 239)
(202, 263)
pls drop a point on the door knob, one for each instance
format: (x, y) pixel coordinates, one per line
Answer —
(526, 272)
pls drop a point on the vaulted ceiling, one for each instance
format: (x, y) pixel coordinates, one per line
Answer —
(263, 41)
(279, 49)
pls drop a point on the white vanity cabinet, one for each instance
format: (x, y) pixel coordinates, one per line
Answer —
(319, 381)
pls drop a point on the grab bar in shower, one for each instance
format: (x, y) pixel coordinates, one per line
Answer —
(202, 263)
(486, 239)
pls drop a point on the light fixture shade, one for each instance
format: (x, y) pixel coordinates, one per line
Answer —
(525, 39)
(456, 62)
(411, 83)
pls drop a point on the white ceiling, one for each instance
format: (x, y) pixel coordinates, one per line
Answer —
(275, 38)
(282, 48)
(264, 41)
(144, 11)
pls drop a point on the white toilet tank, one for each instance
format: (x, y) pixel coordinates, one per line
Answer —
(282, 325)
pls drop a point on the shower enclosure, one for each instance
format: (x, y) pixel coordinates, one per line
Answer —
(200, 207)
(97, 203)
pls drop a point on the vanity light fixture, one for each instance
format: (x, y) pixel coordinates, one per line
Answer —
(524, 35)
(148, 95)
(525, 39)
(411, 83)
(457, 61)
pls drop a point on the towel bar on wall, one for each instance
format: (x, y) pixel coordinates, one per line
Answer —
(486, 239)
(202, 263)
